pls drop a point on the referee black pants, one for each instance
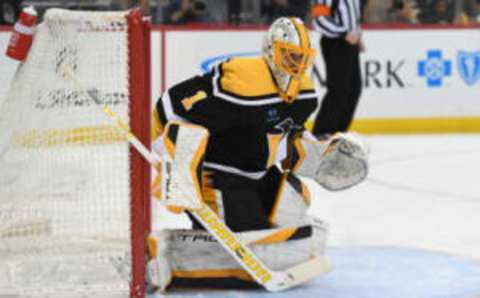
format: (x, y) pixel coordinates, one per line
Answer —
(344, 86)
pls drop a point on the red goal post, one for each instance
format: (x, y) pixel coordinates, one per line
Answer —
(140, 107)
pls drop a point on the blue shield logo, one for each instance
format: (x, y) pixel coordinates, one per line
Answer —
(469, 66)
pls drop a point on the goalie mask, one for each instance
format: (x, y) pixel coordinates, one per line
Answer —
(287, 50)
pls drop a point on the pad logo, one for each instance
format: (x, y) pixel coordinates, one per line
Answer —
(168, 179)
(196, 238)
(188, 102)
(469, 66)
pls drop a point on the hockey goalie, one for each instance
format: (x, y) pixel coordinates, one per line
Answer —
(234, 139)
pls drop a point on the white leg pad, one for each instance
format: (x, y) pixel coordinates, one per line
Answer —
(197, 252)
(159, 273)
(291, 204)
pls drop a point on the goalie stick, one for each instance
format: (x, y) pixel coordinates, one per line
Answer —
(271, 280)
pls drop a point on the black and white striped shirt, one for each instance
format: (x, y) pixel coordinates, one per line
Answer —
(334, 18)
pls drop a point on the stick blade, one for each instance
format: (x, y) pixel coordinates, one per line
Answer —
(309, 270)
(301, 274)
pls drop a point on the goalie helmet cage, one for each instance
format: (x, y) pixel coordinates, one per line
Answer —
(74, 196)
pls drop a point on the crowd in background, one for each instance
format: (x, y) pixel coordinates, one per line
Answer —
(263, 11)
(422, 11)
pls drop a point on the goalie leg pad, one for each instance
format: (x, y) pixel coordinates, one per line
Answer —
(195, 254)
(159, 273)
(337, 164)
(291, 204)
(182, 147)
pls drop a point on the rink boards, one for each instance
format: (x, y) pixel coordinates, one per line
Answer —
(413, 80)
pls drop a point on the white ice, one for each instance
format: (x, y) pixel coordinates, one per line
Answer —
(422, 192)
(412, 229)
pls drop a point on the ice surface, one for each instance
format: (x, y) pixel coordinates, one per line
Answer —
(411, 230)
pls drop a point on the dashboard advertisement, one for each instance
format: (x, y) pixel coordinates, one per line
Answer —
(408, 74)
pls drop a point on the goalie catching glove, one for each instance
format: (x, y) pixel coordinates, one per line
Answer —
(336, 164)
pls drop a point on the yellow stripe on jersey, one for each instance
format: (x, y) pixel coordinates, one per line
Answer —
(251, 77)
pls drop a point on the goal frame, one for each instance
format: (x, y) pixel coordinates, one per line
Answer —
(139, 29)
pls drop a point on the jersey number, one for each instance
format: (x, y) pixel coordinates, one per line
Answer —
(188, 102)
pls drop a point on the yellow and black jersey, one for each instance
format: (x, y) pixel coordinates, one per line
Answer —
(238, 102)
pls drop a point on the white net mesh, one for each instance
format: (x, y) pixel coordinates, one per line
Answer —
(64, 170)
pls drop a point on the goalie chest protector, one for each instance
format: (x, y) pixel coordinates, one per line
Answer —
(238, 102)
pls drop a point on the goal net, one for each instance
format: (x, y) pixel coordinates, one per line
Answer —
(73, 194)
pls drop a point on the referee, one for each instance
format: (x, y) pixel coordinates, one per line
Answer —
(338, 22)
